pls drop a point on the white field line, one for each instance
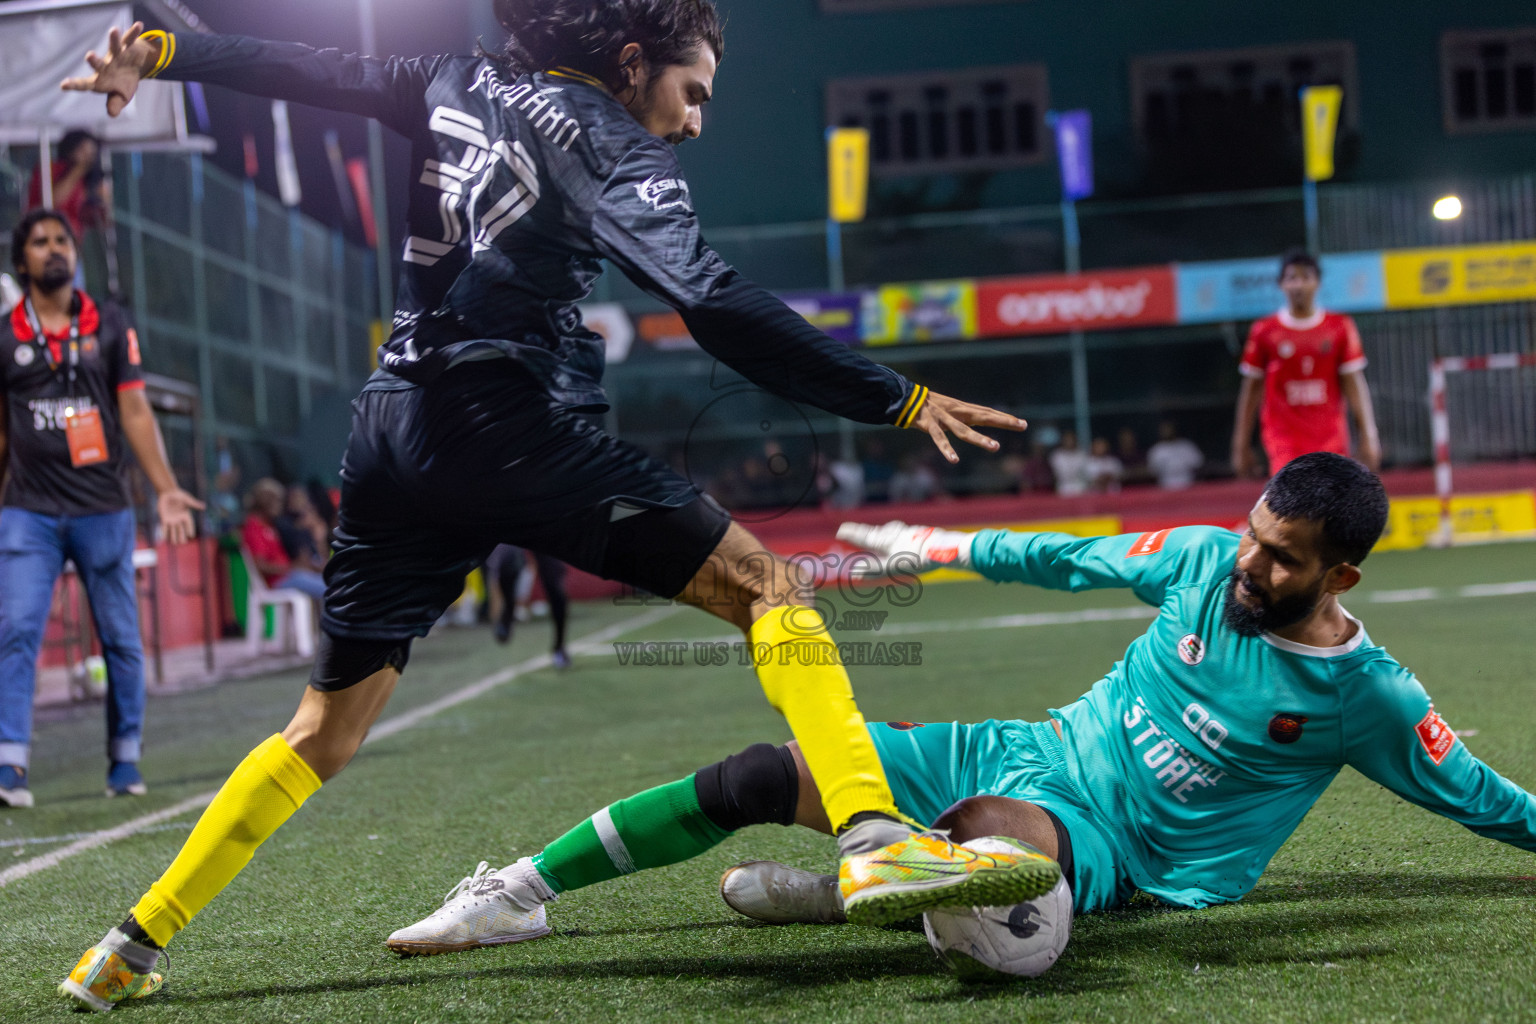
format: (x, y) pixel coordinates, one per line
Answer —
(389, 727)
(1439, 593)
(6, 844)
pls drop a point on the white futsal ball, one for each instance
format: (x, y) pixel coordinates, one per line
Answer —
(984, 943)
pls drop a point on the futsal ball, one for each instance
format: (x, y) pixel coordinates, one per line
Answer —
(994, 943)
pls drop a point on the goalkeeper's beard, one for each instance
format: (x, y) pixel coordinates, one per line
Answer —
(1271, 615)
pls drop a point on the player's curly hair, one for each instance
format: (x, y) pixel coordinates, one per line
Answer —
(588, 34)
(1338, 492)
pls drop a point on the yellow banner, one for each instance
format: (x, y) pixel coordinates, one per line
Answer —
(1319, 122)
(1502, 272)
(1412, 522)
(925, 311)
(847, 173)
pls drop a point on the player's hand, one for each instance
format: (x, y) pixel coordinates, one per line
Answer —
(909, 549)
(941, 416)
(118, 73)
(175, 509)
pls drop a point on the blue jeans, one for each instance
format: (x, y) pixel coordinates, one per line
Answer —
(307, 580)
(33, 548)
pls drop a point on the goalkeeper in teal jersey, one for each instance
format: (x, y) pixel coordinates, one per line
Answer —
(1179, 773)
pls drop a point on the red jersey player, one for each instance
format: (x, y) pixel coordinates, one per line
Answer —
(1299, 367)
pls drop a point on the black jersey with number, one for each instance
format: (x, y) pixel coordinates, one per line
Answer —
(38, 395)
(519, 187)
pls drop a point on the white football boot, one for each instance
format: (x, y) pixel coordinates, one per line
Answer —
(766, 890)
(487, 908)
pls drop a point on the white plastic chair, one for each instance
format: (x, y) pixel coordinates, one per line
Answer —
(288, 605)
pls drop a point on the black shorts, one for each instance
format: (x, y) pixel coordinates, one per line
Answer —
(435, 477)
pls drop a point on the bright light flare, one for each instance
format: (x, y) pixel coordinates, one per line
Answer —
(1446, 208)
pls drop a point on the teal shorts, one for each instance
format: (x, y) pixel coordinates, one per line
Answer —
(931, 767)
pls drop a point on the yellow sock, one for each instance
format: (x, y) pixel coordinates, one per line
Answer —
(264, 791)
(804, 678)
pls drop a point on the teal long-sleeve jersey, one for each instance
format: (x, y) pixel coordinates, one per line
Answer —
(1202, 749)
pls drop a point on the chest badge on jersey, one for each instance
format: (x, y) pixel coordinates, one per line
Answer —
(25, 355)
(1287, 350)
(1191, 649)
(1286, 727)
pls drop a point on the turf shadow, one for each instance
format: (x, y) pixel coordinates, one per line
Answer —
(779, 970)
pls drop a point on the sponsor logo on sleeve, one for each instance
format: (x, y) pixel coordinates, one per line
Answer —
(1148, 543)
(1435, 735)
(664, 193)
(133, 347)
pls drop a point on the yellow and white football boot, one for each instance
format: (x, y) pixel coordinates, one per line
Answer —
(887, 876)
(114, 969)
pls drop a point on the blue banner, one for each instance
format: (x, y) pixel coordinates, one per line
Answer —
(1353, 282)
(1074, 152)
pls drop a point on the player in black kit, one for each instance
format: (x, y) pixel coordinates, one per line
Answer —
(528, 169)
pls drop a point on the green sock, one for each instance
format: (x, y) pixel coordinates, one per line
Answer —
(648, 830)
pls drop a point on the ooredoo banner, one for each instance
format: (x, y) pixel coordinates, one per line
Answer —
(1094, 301)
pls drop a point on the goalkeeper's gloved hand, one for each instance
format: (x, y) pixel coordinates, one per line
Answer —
(903, 548)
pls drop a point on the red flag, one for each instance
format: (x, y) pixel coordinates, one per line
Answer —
(357, 173)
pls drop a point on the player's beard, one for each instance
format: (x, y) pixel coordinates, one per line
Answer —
(1271, 614)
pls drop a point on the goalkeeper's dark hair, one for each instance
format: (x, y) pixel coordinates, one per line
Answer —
(1339, 493)
(587, 35)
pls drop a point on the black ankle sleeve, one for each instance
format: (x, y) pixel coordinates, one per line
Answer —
(759, 786)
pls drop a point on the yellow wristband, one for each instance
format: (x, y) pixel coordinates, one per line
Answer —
(167, 43)
(912, 406)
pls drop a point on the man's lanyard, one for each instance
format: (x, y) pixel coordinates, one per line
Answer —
(41, 341)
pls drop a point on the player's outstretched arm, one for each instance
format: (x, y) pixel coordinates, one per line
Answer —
(654, 239)
(1147, 563)
(388, 89)
(1397, 739)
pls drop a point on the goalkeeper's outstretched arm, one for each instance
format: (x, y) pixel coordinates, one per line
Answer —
(1147, 563)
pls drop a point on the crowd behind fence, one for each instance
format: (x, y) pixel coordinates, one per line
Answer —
(268, 313)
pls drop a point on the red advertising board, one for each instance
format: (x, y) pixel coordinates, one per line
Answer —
(1094, 301)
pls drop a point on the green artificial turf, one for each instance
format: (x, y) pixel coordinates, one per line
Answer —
(1375, 910)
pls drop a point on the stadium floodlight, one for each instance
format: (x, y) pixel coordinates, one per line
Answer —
(1446, 208)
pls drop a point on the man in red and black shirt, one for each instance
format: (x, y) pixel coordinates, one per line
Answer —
(71, 394)
(1299, 368)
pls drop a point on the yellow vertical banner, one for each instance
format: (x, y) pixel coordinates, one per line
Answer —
(847, 174)
(375, 339)
(1319, 123)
